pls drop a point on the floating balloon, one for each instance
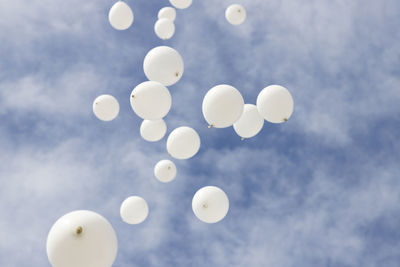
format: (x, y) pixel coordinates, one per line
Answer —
(164, 28)
(222, 106)
(275, 104)
(235, 14)
(105, 107)
(165, 171)
(167, 13)
(163, 64)
(120, 16)
(151, 100)
(134, 210)
(82, 239)
(210, 204)
(181, 4)
(153, 130)
(250, 123)
(183, 143)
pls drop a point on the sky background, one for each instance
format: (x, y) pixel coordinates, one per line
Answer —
(322, 189)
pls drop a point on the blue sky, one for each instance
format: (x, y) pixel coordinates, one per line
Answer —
(322, 189)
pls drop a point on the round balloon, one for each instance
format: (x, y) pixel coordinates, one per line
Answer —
(275, 104)
(82, 238)
(105, 107)
(167, 13)
(183, 143)
(134, 210)
(250, 123)
(235, 14)
(151, 100)
(181, 4)
(222, 106)
(120, 16)
(163, 64)
(165, 171)
(153, 130)
(210, 204)
(164, 28)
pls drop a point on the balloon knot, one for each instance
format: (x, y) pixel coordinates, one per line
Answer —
(79, 230)
(285, 119)
(205, 206)
(169, 167)
(210, 126)
(176, 74)
(133, 96)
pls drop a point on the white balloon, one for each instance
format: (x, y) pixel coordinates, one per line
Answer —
(167, 13)
(105, 107)
(210, 204)
(120, 16)
(250, 123)
(183, 143)
(164, 28)
(163, 64)
(134, 210)
(82, 238)
(222, 106)
(275, 104)
(151, 100)
(235, 14)
(153, 130)
(181, 4)
(165, 171)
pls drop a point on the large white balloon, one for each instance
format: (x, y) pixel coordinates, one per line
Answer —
(82, 239)
(165, 171)
(183, 143)
(164, 28)
(167, 13)
(151, 100)
(105, 107)
(120, 16)
(163, 64)
(222, 106)
(153, 130)
(210, 204)
(275, 104)
(235, 14)
(250, 123)
(181, 4)
(134, 210)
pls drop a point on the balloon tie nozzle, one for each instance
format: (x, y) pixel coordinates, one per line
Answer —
(133, 96)
(176, 74)
(79, 230)
(210, 126)
(285, 119)
(205, 206)
(169, 167)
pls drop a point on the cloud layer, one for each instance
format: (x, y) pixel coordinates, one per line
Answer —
(319, 190)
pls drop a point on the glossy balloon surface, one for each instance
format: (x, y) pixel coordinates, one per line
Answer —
(183, 143)
(82, 239)
(106, 107)
(151, 100)
(222, 106)
(210, 204)
(163, 64)
(120, 16)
